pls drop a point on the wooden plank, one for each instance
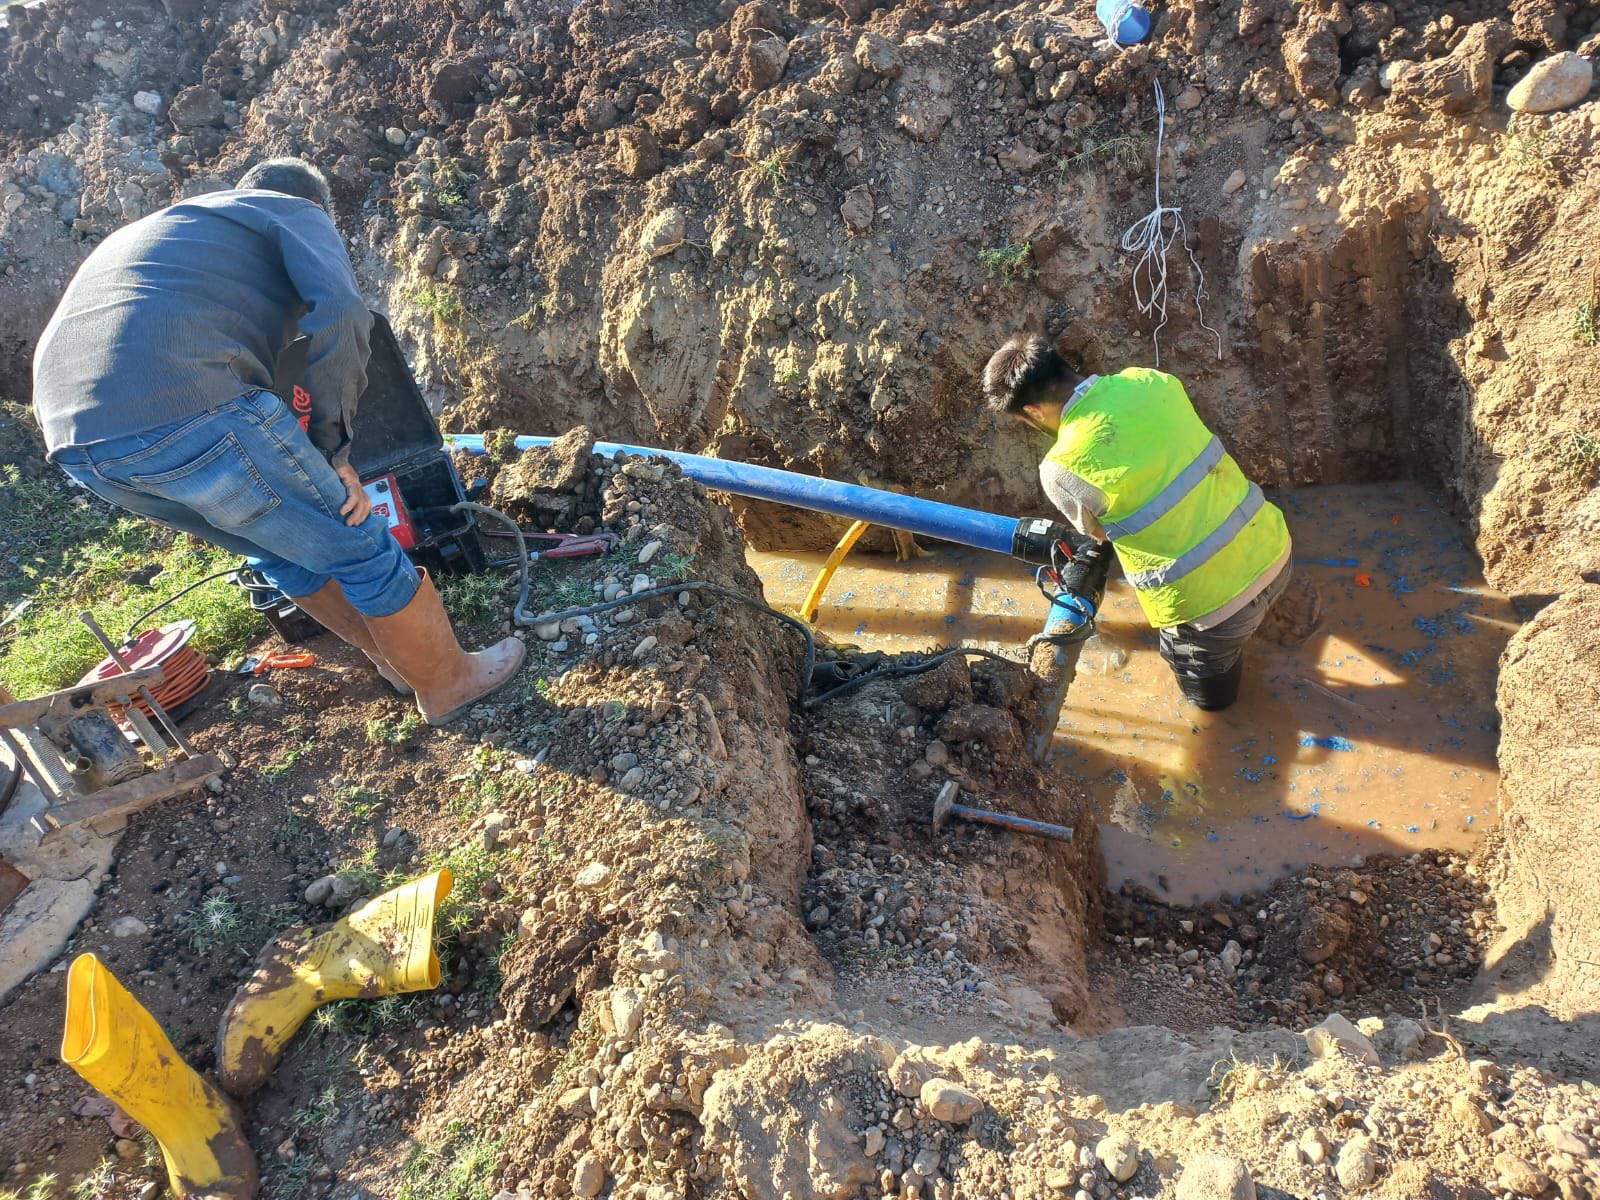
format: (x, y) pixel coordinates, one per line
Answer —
(124, 799)
(120, 688)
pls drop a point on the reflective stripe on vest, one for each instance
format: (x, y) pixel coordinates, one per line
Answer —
(1207, 547)
(1169, 497)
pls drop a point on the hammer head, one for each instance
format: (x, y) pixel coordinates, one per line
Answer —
(942, 805)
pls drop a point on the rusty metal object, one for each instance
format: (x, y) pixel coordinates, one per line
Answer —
(945, 808)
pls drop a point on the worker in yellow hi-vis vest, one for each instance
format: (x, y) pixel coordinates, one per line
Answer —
(1133, 463)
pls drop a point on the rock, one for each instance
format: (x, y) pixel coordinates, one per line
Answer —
(926, 1163)
(547, 631)
(128, 926)
(1552, 84)
(1517, 1174)
(631, 779)
(946, 1100)
(1061, 1179)
(856, 210)
(876, 54)
(937, 754)
(1215, 1177)
(588, 1176)
(1323, 933)
(196, 107)
(453, 81)
(765, 56)
(1119, 1154)
(872, 1145)
(493, 825)
(664, 232)
(641, 583)
(264, 695)
(593, 876)
(627, 1011)
(1190, 99)
(1564, 1141)
(993, 727)
(332, 58)
(1469, 1115)
(1398, 1038)
(1314, 1146)
(1357, 1165)
(1460, 82)
(646, 644)
(1233, 183)
(653, 953)
(638, 152)
(648, 551)
(1232, 955)
(148, 102)
(1335, 1034)
(395, 136)
(319, 891)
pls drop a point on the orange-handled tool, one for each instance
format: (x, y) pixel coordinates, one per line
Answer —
(280, 658)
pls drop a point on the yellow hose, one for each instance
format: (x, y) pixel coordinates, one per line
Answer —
(808, 611)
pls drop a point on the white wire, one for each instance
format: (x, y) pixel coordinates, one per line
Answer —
(1151, 237)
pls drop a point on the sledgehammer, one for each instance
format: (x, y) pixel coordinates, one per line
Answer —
(946, 807)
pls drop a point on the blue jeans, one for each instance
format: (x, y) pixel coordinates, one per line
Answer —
(245, 477)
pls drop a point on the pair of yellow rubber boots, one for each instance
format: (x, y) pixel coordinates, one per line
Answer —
(383, 948)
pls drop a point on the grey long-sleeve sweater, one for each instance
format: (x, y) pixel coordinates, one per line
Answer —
(189, 307)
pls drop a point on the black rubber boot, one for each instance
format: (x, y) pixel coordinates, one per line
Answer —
(1213, 693)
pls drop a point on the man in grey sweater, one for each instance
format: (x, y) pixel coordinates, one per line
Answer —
(152, 383)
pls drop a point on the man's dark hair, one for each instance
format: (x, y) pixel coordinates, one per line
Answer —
(1023, 372)
(292, 177)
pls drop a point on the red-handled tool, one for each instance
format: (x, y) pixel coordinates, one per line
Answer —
(284, 659)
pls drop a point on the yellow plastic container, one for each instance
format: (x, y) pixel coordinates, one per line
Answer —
(383, 948)
(117, 1046)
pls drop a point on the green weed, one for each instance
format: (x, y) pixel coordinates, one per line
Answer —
(1528, 149)
(1578, 456)
(487, 984)
(402, 732)
(97, 1184)
(317, 1111)
(486, 785)
(440, 303)
(459, 1168)
(453, 183)
(675, 567)
(294, 1177)
(475, 599)
(42, 1188)
(554, 587)
(277, 771)
(1124, 151)
(538, 310)
(500, 445)
(1585, 330)
(1009, 262)
(215, 921)
(355, 804)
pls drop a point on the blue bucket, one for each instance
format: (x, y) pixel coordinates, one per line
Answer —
(1135, 23)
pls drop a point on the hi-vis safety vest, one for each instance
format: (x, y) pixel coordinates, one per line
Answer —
(1190, 530)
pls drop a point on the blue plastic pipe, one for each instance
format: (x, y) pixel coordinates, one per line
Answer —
(965, 526)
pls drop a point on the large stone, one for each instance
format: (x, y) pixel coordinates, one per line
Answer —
(765, 56)
(1460, 82)
(1517, 1174)
(453, 81)
(1215, 1177)
(949, 1101)
(856, 210)
(588, 1176)
(638, 153)
(196, 107)
(880, 56)
(664, 232)
(1119, 1154)
(1323, 933)
(1357, 1165)
(1552, 84)
(1335, 1035)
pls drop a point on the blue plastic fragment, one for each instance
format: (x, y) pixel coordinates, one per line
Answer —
(1335, 562)
(1269, 759)
(1333, 742)
(1411, 829)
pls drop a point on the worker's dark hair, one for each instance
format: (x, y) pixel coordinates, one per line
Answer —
(1023, 372)
(292, 177)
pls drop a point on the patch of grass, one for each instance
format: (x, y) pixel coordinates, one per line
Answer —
(453, 182)
(555, 587)
(215, 921)
(675, 567)
(538, 310)
(42, 1188)
(317, 1111)
(368, 1018)
(402, 732)
(459, 1168)
(1124, 151)
(277, 771)
(1528, 149)
(486, 785)
(1234, 1076)
(63, 551)
(1586, 320)
(475, 599)
(1009, 262)
(97, 1184)
(355, 804)
(294, 1177)
(440, 303)
(487, 984)
(500, 445)
(1578, 456)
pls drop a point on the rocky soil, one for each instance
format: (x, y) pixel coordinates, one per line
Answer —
(705, 945)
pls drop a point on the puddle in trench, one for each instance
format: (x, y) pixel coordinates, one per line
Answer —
(1377, 734)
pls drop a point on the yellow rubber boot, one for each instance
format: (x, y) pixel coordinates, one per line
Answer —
(383, 948)
(117, 1046)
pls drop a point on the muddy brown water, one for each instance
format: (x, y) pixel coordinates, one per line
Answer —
(1378, 734)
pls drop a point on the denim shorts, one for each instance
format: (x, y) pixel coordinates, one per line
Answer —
(245, 477)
